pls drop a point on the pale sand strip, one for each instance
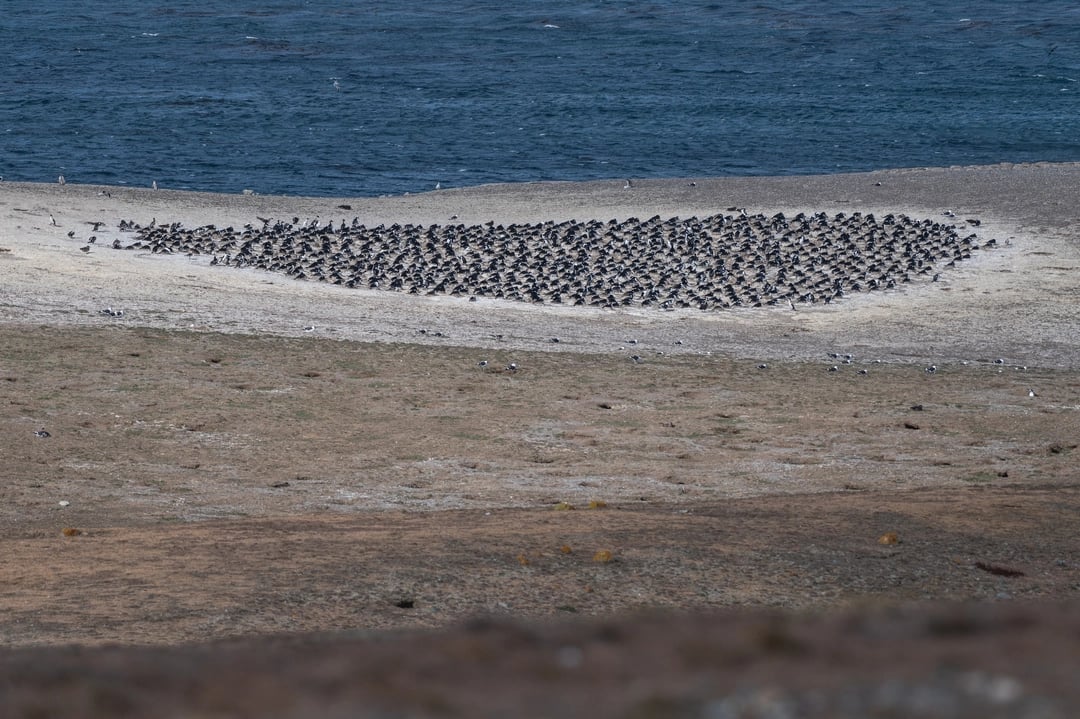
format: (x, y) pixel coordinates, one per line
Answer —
(1020, 302)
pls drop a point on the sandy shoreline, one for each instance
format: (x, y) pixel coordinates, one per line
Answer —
(1017, 302)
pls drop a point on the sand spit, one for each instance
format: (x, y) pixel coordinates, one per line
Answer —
(1016, 302)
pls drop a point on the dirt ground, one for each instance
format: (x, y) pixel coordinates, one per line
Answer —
(362, 521)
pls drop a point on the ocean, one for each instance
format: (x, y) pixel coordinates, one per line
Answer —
(343, 98)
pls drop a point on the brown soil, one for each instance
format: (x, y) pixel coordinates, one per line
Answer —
(324, 526)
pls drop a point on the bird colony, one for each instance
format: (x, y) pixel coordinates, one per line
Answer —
(717, 262)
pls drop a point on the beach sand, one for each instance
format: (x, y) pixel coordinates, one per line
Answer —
(1018, 302)
(359, 519)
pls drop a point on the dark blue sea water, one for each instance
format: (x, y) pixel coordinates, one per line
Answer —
(389, 96)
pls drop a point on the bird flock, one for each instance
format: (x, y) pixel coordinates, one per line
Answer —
(717, 262)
